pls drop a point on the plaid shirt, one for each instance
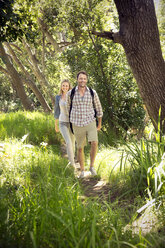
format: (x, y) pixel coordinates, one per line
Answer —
(82, 112)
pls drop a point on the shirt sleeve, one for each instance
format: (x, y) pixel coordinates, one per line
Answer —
(98, 106)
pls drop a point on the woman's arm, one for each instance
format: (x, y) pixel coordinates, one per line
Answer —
(56, 125)
(57, 107)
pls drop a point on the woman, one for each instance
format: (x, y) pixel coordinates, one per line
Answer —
(62, 120)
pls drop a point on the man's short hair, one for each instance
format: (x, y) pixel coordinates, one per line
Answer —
(81, 72)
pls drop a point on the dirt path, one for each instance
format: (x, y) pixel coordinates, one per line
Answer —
(91, 186)
(95, 187)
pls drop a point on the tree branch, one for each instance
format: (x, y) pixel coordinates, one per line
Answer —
(48, 35)
(4, 71)
(115, 37)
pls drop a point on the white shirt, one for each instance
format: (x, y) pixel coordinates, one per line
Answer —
(64, 116)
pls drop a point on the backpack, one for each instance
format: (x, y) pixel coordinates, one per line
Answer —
(71, 99)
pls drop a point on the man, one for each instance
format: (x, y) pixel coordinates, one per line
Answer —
(82, 117)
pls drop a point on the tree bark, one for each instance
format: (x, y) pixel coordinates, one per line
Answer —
(139, 37)
(16, 80)
(29, 82)
(39, 75)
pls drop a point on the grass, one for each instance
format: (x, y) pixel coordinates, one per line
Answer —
(37, 126)
(41, 199)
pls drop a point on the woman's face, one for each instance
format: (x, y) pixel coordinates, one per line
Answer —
(65, 87)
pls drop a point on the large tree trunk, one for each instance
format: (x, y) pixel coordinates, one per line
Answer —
(139, 37)
(16, 80)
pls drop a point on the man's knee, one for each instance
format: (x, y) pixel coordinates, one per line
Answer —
(94, 143)
(80, 149)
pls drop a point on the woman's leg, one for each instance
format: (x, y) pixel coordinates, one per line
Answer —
(64, 129)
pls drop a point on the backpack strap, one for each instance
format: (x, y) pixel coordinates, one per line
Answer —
(71, 99)
(92, 94)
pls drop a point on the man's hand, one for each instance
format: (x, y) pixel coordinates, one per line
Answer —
(99, 127)
(99, 124)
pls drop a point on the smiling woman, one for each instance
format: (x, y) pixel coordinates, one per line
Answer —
(61, 116)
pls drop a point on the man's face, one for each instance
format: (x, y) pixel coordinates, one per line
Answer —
(82, 80)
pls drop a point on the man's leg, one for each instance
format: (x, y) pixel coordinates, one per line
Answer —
(81, 158)
(80, 135)
(93, 152)
(93, 140)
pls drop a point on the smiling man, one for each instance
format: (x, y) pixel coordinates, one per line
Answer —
(83, 119)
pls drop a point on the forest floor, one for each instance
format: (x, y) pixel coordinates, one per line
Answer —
(96, 188)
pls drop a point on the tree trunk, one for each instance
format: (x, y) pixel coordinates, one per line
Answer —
(140, 38)
(16, 80)
(38, 73)
(29, 82)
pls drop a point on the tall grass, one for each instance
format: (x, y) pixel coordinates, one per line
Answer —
(38, 127)
(146, 160)
(41, 201)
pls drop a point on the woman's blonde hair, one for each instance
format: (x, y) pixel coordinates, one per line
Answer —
(64, 81)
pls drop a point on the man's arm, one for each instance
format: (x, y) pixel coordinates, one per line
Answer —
(99, 111)
(99, 123)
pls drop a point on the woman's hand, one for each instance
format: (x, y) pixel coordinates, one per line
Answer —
(57, 129)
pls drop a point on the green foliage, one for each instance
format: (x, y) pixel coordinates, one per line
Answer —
(16, 19)
(10, 21)
(146, 160)
(104, 61)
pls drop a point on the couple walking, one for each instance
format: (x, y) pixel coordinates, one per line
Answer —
(77, 107)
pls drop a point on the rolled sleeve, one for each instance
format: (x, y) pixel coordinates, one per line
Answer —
(98, 106)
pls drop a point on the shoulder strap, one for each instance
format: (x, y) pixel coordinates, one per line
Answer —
(71, 99)
(72, 93)
(92, 94)
(91, 91)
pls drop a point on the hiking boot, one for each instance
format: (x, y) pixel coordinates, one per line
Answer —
(82, 174)
(93, 172)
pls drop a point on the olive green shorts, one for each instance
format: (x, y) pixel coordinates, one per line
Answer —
(89, 131)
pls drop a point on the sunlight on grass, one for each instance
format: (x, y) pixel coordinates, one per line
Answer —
(110, 163)
(37, 126)
(41, 200)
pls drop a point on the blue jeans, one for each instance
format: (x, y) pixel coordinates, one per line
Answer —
(69, 140)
